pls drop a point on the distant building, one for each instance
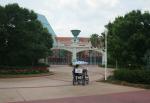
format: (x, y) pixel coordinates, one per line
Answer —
(60, 56)
(64, 57)
(46, 24)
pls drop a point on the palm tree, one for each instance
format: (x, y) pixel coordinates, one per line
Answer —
(96, 41)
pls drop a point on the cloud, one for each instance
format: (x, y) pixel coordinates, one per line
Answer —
(89, 16)
(102, 3)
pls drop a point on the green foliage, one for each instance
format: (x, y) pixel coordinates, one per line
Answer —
(133, 76)
(129, 39)
(42, 65)
(96, 41)
(108, 66)
(23, 39)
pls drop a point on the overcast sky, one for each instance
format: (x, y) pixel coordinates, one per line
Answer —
(89, 16)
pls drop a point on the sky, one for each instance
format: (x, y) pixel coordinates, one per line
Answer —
(89, 16)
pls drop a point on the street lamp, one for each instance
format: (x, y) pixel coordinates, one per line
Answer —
(106, 31)
(75, 33)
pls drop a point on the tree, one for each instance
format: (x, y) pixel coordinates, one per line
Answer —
(23, 39)
(96, 41)
(129, 38)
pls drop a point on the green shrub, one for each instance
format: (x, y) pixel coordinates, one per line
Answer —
(133, 76)
(103, 65)
(70, 64)
(42, 65)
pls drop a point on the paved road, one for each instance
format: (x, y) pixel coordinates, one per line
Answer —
(56, 86)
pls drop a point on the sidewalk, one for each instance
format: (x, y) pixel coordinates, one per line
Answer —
(127, 97)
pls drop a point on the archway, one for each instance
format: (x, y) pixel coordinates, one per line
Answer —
(90, 56)
(60, 56)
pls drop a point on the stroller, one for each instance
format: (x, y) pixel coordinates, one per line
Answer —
(80, 75)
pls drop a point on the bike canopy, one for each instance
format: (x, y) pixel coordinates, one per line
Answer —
(80, 63)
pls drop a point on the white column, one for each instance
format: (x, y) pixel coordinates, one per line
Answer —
(74, 55)
(103, 58)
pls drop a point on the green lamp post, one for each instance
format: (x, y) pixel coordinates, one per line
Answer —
(75, 34)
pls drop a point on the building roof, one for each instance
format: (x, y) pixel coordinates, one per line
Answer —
(68, 40)
(46, 24)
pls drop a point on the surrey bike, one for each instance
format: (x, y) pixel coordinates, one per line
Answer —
(80, 73)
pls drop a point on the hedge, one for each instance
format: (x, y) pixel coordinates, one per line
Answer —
(14, 70)
(133, 76)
